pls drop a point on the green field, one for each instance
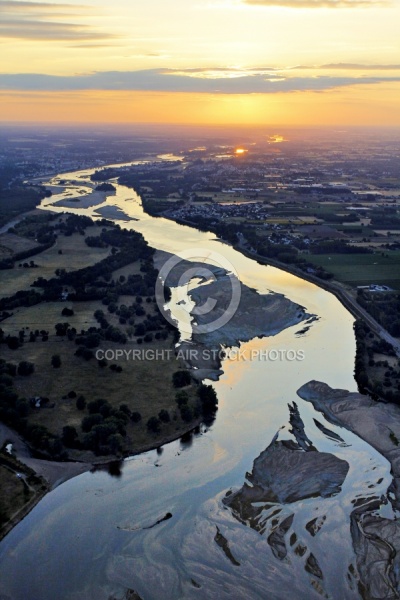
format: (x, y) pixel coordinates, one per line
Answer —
(362, 269)
(75, 255)
(144, 385)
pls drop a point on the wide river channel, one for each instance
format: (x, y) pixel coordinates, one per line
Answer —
(90, 537)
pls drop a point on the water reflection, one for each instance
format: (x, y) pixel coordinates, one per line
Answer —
(115, 468)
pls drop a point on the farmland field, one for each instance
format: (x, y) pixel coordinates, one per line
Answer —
(75, 254)
(362, 269)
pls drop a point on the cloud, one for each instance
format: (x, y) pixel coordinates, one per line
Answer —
(169, 80)
(43, 30)
(42, 9)
(90, 45)
(317, 3)
(343, 67)
(359, 67)
(36, 21)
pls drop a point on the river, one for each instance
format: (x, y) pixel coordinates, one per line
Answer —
(90, 537)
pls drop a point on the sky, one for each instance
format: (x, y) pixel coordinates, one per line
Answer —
(221, 62)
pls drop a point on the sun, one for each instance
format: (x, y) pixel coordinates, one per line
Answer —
(240, 151)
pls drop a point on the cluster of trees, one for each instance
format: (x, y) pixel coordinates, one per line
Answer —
(161, 180)
(186, 411)
(104, 174)
(14, 342)
(385, 217)
(385, 308)
(9, 262)
(104, 427)
(368, 372)
(131, 246)
(205, 406)
(351, 217)
(152, 323)
(284, 253)
(18, 198)
(337, 247)
(95, 282)
(74, 224)
(208, 400)
(105, 187)
(181, 378)
(21, 298)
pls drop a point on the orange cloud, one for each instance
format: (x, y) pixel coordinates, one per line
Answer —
(317, 3)
(359, 105)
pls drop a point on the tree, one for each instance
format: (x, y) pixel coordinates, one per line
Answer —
(13, 342)
(208, 398)
(90, 441)
(103, 431)
(136, 417)
(90, 421)
(80, 403)
(181, 398)
(153, 425)
(69, 436)
(99, 406)
(125, 409)
(140, 329)
(362, 380)
(116, 443)
(186, 413)
(25, 368)
(181, 378)
(163, 415)
(61, 329)
(56, 361)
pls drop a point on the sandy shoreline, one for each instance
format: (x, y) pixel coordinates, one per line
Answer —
(376, 540)
(253, 315)
(53, 472)
(375, 422)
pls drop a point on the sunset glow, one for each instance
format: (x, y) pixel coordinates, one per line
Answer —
(227, 62)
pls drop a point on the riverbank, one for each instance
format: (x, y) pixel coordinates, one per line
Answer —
(348, 300)
(334, 288)
(52, 474)
(376, 540)
(375, 422)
